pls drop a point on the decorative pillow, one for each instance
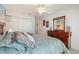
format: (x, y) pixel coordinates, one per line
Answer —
(25, 39)
(31, 39)
(2, 37)
(14, 36)
(7, 39)
(29, 33)
(8, 35)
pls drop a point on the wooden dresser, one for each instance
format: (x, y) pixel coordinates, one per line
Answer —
(61, 35)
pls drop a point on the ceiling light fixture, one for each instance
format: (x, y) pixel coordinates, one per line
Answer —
(41, 10)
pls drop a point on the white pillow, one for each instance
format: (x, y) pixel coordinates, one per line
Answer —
(31, 39)
(27, 39)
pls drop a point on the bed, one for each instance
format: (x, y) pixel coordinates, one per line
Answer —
(41, 45)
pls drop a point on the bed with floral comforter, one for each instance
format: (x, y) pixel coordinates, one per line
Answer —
(42, 45)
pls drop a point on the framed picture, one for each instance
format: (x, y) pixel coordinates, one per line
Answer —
(59, 23)
(47, 24)
(43, 22)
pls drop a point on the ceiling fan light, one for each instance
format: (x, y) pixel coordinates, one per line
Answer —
(41, 10)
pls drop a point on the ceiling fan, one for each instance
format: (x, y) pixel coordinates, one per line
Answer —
(41, 8)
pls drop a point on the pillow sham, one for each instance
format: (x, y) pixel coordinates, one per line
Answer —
(25, 39)
(14, 36)
(2, 37)
(30, 37)
(6, 40)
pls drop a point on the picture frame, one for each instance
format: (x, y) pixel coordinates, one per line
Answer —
(59, 23)
(47, 24)
(43, 22)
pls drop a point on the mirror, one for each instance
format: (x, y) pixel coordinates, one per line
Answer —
(59, 23)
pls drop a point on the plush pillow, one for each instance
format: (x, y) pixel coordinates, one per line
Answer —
(6, 32)
(2, 37)
(30, 38)
(14, 36)
(8, 35)
(25, 39)
(29, 33)
(7, 39)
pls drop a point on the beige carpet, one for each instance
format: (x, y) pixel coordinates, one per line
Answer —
(72, 51)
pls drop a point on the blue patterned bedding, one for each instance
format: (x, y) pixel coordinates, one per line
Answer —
(48, 45)
(43, 45)
(12, 48)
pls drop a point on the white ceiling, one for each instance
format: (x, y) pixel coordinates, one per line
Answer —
(31, 9)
